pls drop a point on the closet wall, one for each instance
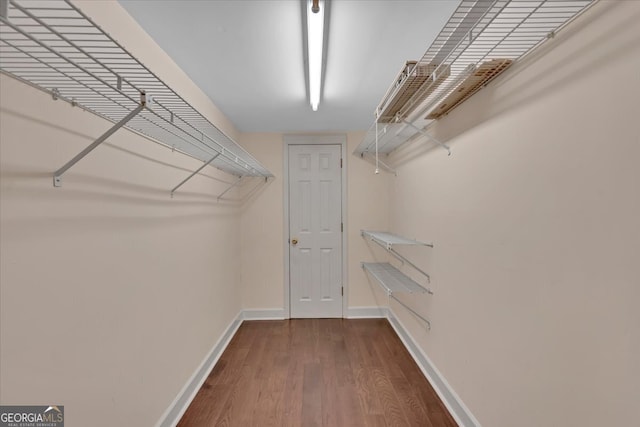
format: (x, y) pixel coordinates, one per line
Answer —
(535, 219)
(112, 293)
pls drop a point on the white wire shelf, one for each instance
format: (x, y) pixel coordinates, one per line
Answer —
(387, 240)
(391, 279)
(477, 33)
(53, 46)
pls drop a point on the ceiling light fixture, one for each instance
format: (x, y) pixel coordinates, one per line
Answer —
(315, 39)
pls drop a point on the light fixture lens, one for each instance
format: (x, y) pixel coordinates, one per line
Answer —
(315, 36)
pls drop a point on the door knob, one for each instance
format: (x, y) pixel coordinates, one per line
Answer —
(294, 242)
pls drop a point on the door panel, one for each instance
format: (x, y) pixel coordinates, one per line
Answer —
(315, 230)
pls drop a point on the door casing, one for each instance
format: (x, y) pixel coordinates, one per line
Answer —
(310, 140)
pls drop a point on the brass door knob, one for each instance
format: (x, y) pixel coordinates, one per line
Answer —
(294, 242)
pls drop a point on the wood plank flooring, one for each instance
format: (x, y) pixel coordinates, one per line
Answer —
(316, 372)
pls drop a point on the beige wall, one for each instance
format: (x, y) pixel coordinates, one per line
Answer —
(262, 226)
(111, 292)
(535, 218)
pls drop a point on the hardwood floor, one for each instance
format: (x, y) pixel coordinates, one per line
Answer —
(316, 372)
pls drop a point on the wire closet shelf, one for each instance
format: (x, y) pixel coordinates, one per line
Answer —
(55, 47)
(482, 38)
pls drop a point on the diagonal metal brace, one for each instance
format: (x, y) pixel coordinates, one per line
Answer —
(230, 187)
(194, 173)
(415, 313)
(380, 162)
(428, 135)
(4, 9)
(57, 175)
(404, 259)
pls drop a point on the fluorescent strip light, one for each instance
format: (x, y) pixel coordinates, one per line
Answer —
(315, 37)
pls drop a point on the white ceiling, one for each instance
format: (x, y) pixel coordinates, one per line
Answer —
(247, 55)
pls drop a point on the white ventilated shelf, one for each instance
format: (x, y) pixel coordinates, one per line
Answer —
(478, 34)
(387, 240)
(53, 46)
(391, 279)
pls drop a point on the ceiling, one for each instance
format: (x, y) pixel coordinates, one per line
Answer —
(247, 55)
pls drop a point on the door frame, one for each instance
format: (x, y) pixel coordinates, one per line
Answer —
(329, 139)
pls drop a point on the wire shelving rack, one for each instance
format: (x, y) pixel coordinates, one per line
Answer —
(478, 32)
(53, 46)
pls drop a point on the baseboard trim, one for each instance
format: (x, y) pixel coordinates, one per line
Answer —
(263, 314)
(367, 312)
(451, 400)
(178, 407)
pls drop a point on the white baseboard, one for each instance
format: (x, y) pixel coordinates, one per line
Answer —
(178, 407)
(366, 312)
(451, 400)
(263, 314)
(174, 412)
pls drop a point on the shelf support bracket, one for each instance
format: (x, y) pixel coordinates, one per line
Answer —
(428, 135)
(4, 9)
(415, 313)
(404, 259)
(173, 190)
(57, 175)
(380, 162)
(229, 188)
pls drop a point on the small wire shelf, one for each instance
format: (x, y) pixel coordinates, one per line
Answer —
(391, 279)
(55, 47)
(387, 240)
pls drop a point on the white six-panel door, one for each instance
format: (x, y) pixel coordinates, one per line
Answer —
(315, 230)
